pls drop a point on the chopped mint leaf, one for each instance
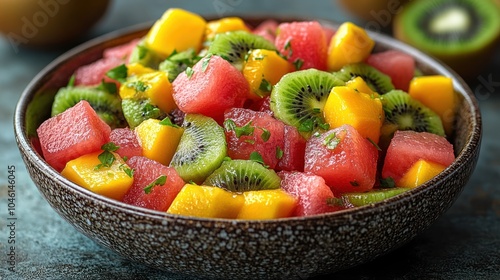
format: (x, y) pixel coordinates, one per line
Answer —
(306, 126)
(265, 85)
(150, 110)
(189, 72)
(279, 152)
(205, 62)
(322, 124)
(110, 147)
(142, 51)
(298, 63)
(127, 170)
(166, 121)
(106, 158)
(387, 183)
(125, 158)
(158, 182)
(265, 134)
(71, 82)
(331, 141)
(255, 156)
(374, 144)
(288, 47)
(108, 87)
(247, 130)
(118, 73)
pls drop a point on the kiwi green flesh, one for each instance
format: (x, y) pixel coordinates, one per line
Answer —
(201, 150)
(107, 105)
(450, 27)
(233, 46)
(376, 80)
(138, 110)
(299, 97)
(178, 63)
(146, 56)
(407, 113)
(242, 176)
(373, 196)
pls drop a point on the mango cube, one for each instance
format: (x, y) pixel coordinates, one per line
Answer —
(267, 204)
(419, 173)
(112, 181)
(224, 25)
(136, 69)
(360, 85)
(158, 141)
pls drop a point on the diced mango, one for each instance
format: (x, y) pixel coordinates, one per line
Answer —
(419, 173)
(267, 204)
(224, 25)
(437, 93)
(263, 69)
(350, 44)
(154, 85)
(206, 202)
(360, 85)
(178, 30)
(137, 69)
(360, 110)
(112, 181)
(158, 141)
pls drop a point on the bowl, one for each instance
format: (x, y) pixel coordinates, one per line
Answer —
(296, 247)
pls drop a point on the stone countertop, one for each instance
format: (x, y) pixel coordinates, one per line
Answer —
(462, 244)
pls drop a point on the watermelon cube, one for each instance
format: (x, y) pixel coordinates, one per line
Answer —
(212, 86)
(395, 64)
(144, 192)
(408, 147)
(94, 73)
(122, 51)
(71, 134)
(127, 140)
(294, 148)
(344, 158)
(267, 29)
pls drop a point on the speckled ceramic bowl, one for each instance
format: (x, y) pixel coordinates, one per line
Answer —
(287, 248)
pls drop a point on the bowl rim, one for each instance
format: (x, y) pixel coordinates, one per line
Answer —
(470, 145)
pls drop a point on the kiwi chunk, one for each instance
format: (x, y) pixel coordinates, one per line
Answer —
(376, 80)
(299, 97)
(402, 112)
(373, 196)
(242, 176)
(234, 46)
(201, 150)
(106, 104)
(138, 110)
(143, 55)
(177, 63)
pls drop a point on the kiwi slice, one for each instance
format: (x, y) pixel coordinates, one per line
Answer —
(299, 97)
(402, 112)
(143, 55)
(177, 63)
(138, 110)
(106, 104)
(233, 46)
(376, 80)
(373, 196)
(242, 176)
(201, 150)
(461, 33)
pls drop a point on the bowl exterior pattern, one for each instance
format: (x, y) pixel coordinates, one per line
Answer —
(289, 248)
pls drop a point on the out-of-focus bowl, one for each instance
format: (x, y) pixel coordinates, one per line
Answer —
(285, 248)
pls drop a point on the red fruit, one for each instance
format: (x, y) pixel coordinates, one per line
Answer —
(210, 89)
(146, 172)
(122, 51)
(267, 29)
(71, 134)
(261, 105)
(305, 41)
(397, 65)
(128, 142)
(407, 147)
(345, 159)
(311, 191)
(93, 74)
(266, 139)
(329, 32)
(293, 150)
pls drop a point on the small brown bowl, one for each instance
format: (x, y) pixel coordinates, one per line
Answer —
(217, 248)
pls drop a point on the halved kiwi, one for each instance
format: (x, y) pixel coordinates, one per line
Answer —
(299, 97)
(242, 176)
(137, 110)
(201, 150)
(376, 80)
(107, 105)
(233, 46)
(461, 33)
(373, 196)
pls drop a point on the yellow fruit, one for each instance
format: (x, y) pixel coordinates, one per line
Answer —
(350, 44)
(267, 204)
(158, 141)
(154, 85)
(137, 69)
(263, 69)
(177, 30)
(224, 25)
(419, 173)
(206, 202)
(360, 110)
(360, 85)
(112, 181)
(437, 93)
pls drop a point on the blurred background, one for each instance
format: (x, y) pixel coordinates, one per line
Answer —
(463, 244)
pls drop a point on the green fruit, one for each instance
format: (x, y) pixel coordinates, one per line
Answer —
(242, 176)
(143, 55)
(107, 105)
(177, 63)
(234, 46)
(376, 80)
(138, 110)
(373, 196)
(201, 150)
(299, 97)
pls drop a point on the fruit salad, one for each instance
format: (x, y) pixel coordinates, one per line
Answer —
(219, 119)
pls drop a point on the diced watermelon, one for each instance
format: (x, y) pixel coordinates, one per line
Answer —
(261, 105)
(293, 151)
(211, 88)
(128, 142)
(93, 73)
(303, 41)
(344, 158)
(71, 134)
(397, 65)
(311, 191)
(267, 29)
(146, 172)
(407, 147)
(267, 137)
(122, 51)
(329, 32)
